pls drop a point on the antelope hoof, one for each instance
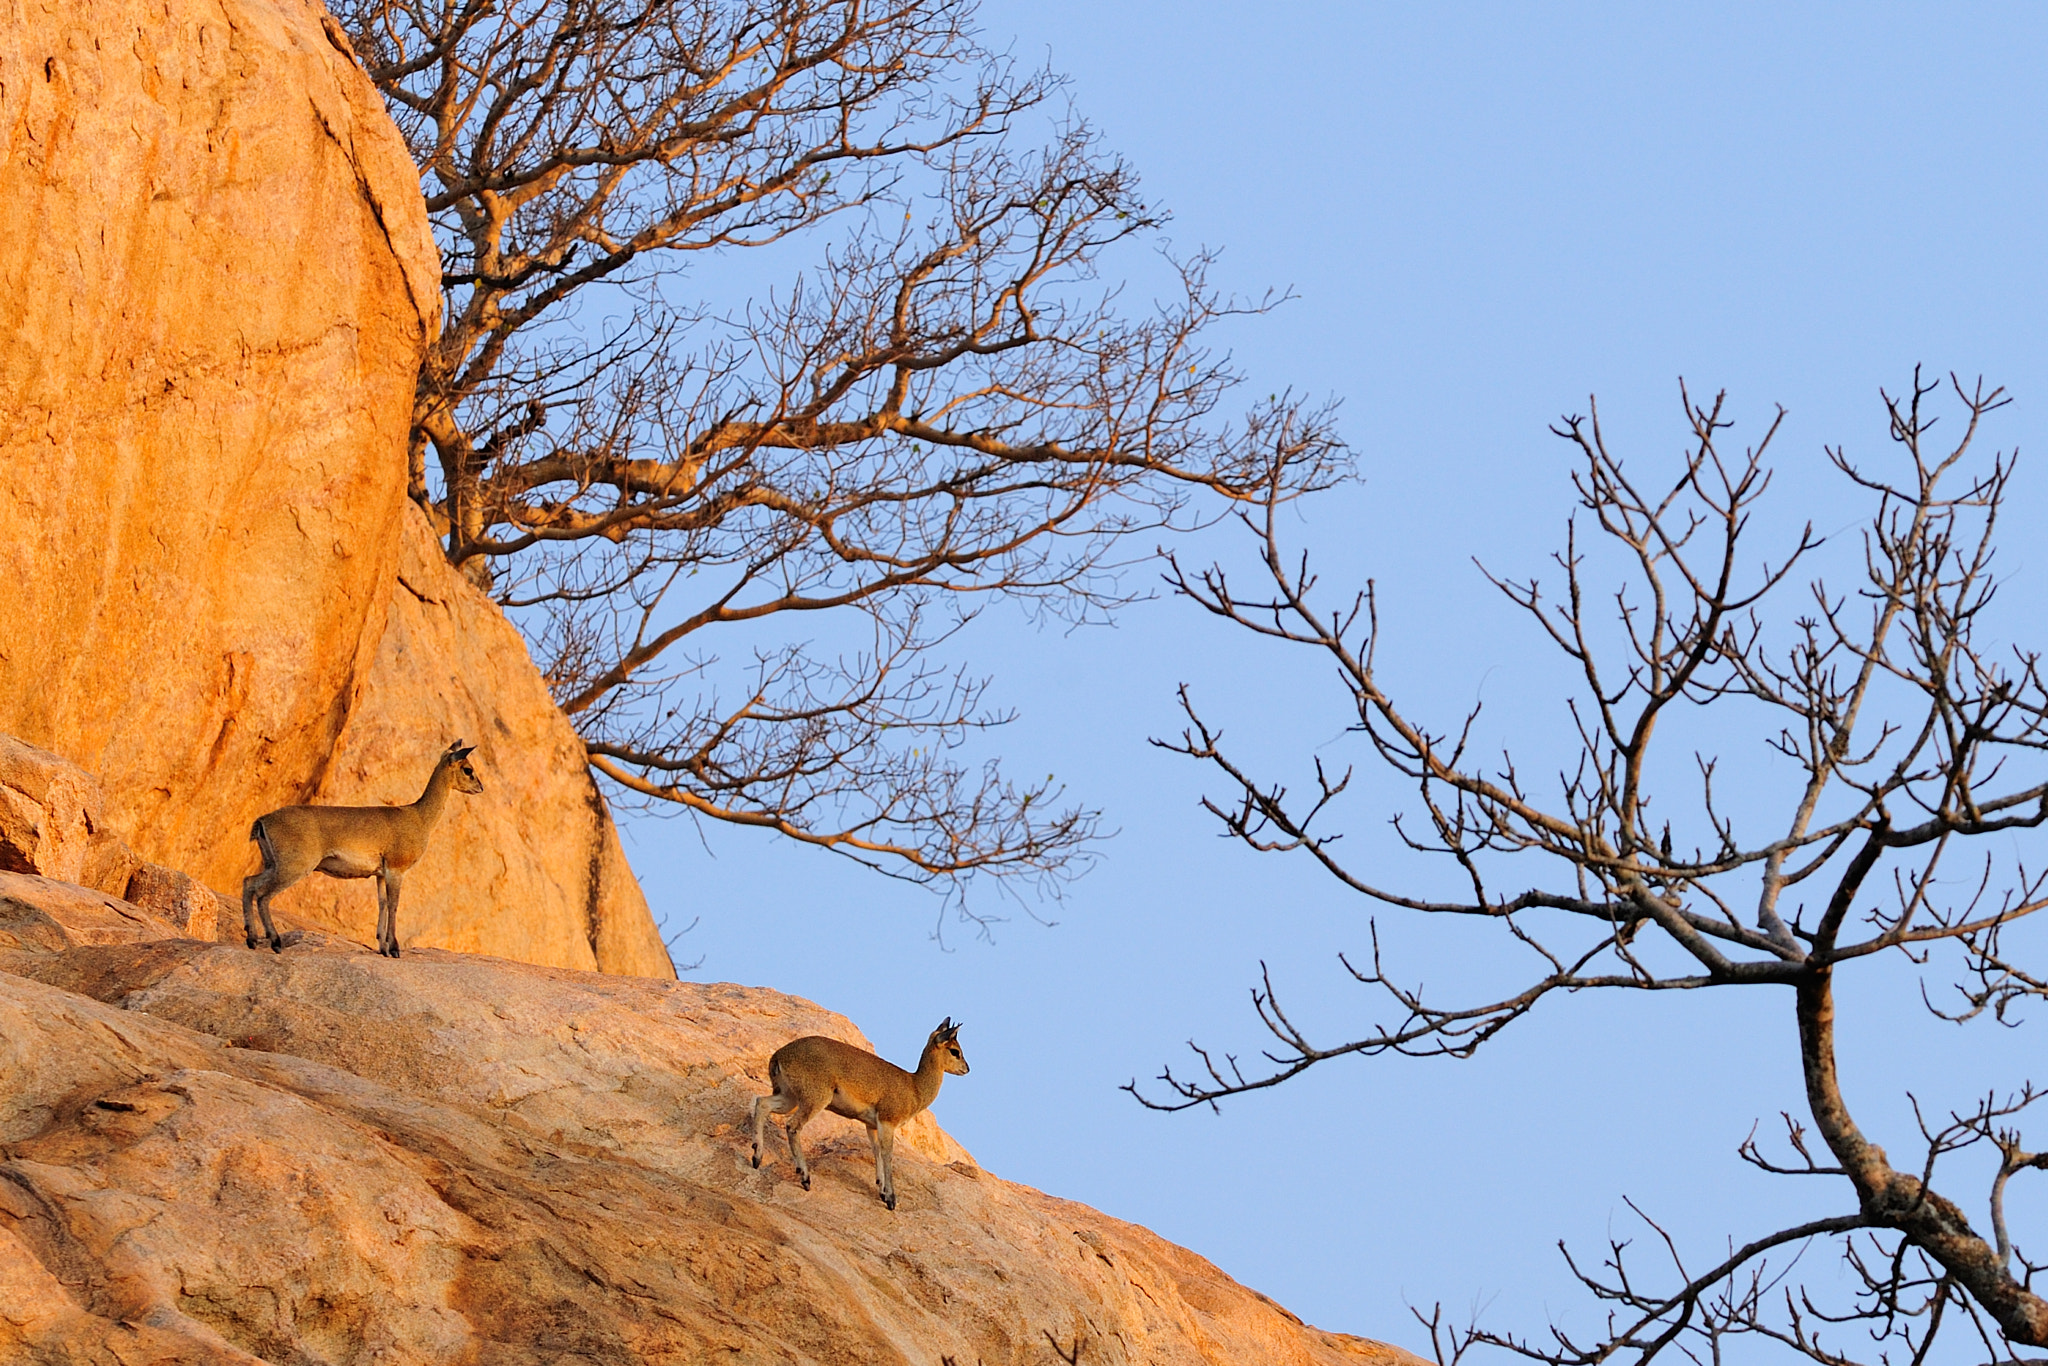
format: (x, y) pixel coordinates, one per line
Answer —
(394, 948)
(804, 1177)
(276, 946)
(252, 941)
(889, 1199)
(757, 1161)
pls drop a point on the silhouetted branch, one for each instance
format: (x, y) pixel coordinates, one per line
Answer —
(1905, 743)
(944, 406)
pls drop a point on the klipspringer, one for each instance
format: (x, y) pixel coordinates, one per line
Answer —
(816, 1073)
(350, 841)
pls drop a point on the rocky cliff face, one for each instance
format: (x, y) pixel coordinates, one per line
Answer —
(217, 283)
(214, 1155)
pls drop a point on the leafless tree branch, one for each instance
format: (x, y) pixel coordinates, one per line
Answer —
(947, 405)
(1907, 746)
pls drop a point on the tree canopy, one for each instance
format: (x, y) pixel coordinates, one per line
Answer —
(945, 402)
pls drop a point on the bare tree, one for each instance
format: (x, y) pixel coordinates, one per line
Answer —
(1906, 746)
(942, 406)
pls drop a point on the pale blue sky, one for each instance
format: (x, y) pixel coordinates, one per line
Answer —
(1487, 212)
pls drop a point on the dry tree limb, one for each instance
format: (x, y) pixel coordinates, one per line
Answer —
(942, 406)
(1905, 741)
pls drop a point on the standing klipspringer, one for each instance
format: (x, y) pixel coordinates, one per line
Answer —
(816, 1073)
(350, 841)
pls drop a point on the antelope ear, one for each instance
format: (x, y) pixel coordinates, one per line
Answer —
(457, 745)
(944, 1025)
(464, 753)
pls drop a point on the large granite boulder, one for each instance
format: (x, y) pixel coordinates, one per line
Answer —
(217, 285)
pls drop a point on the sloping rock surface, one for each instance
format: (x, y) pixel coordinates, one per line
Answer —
(209, 1154)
